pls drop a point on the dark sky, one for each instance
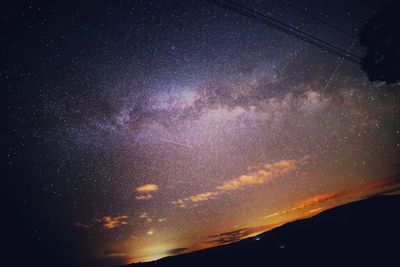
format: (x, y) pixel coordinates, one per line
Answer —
(135, 130)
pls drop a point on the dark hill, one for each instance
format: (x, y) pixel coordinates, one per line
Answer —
(361, 233)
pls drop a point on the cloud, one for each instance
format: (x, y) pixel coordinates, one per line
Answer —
(195, 198)
(82, 225)
(151, 232)
(147, 188)
(242, 181)
(376, 187)
(229, 237)
(180, 203)
(236, 235)
(144, 197)
(272, 215)
(113, 253)
(269, 172)
(263, 175)
(203, 196)
(364, 189)
(146, 216)
(175, 251)
(144, 191)
(381, 183)
(110, 222)
(260, 175)
(317, 199)
(315, 210)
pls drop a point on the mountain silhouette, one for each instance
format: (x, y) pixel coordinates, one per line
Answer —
(361, 233)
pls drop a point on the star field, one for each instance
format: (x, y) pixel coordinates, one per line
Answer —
(152, 128)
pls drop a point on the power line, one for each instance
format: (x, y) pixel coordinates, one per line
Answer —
(262, 18)
(316, 18)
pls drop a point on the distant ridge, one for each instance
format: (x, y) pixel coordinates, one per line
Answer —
(362, 233)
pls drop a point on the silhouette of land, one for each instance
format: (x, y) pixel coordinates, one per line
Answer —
(361, 233)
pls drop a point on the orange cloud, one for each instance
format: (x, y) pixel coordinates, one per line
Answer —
(261, 175)
(363, 190)
(264, 175)
(315, 210)
(203, 196)
(318, 199)
(144, 197)
(195, 198)
(368, 189)
(146, 216)
(147, 188)
(110, 222)
(144, 191)
(236, 235)
(180, 203)
(381, 183)
(272, 215)
(151, 232)
(243, 180)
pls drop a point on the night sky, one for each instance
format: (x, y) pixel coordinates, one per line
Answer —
(136, 130)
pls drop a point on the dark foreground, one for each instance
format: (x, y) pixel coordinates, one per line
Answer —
(362, 233)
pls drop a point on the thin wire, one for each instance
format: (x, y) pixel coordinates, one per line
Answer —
(287, 26)
(257, 16)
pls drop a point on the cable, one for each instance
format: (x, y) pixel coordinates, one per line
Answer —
(257, 16)
(293, 31)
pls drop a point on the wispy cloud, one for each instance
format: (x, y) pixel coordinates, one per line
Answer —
(264, 175)
(272, 215)
(143, 197)
(317, 199)
(145, 216)
(110, 222)
(147, 188)
(260, 175)
(315, 202)
(150, 232)
(196, 198)
(203, 196)
(362, 190)
(180, 202)
(176, 251)
(236, 235)
(315, 210)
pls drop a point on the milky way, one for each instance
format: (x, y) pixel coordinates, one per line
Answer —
(170, 127)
